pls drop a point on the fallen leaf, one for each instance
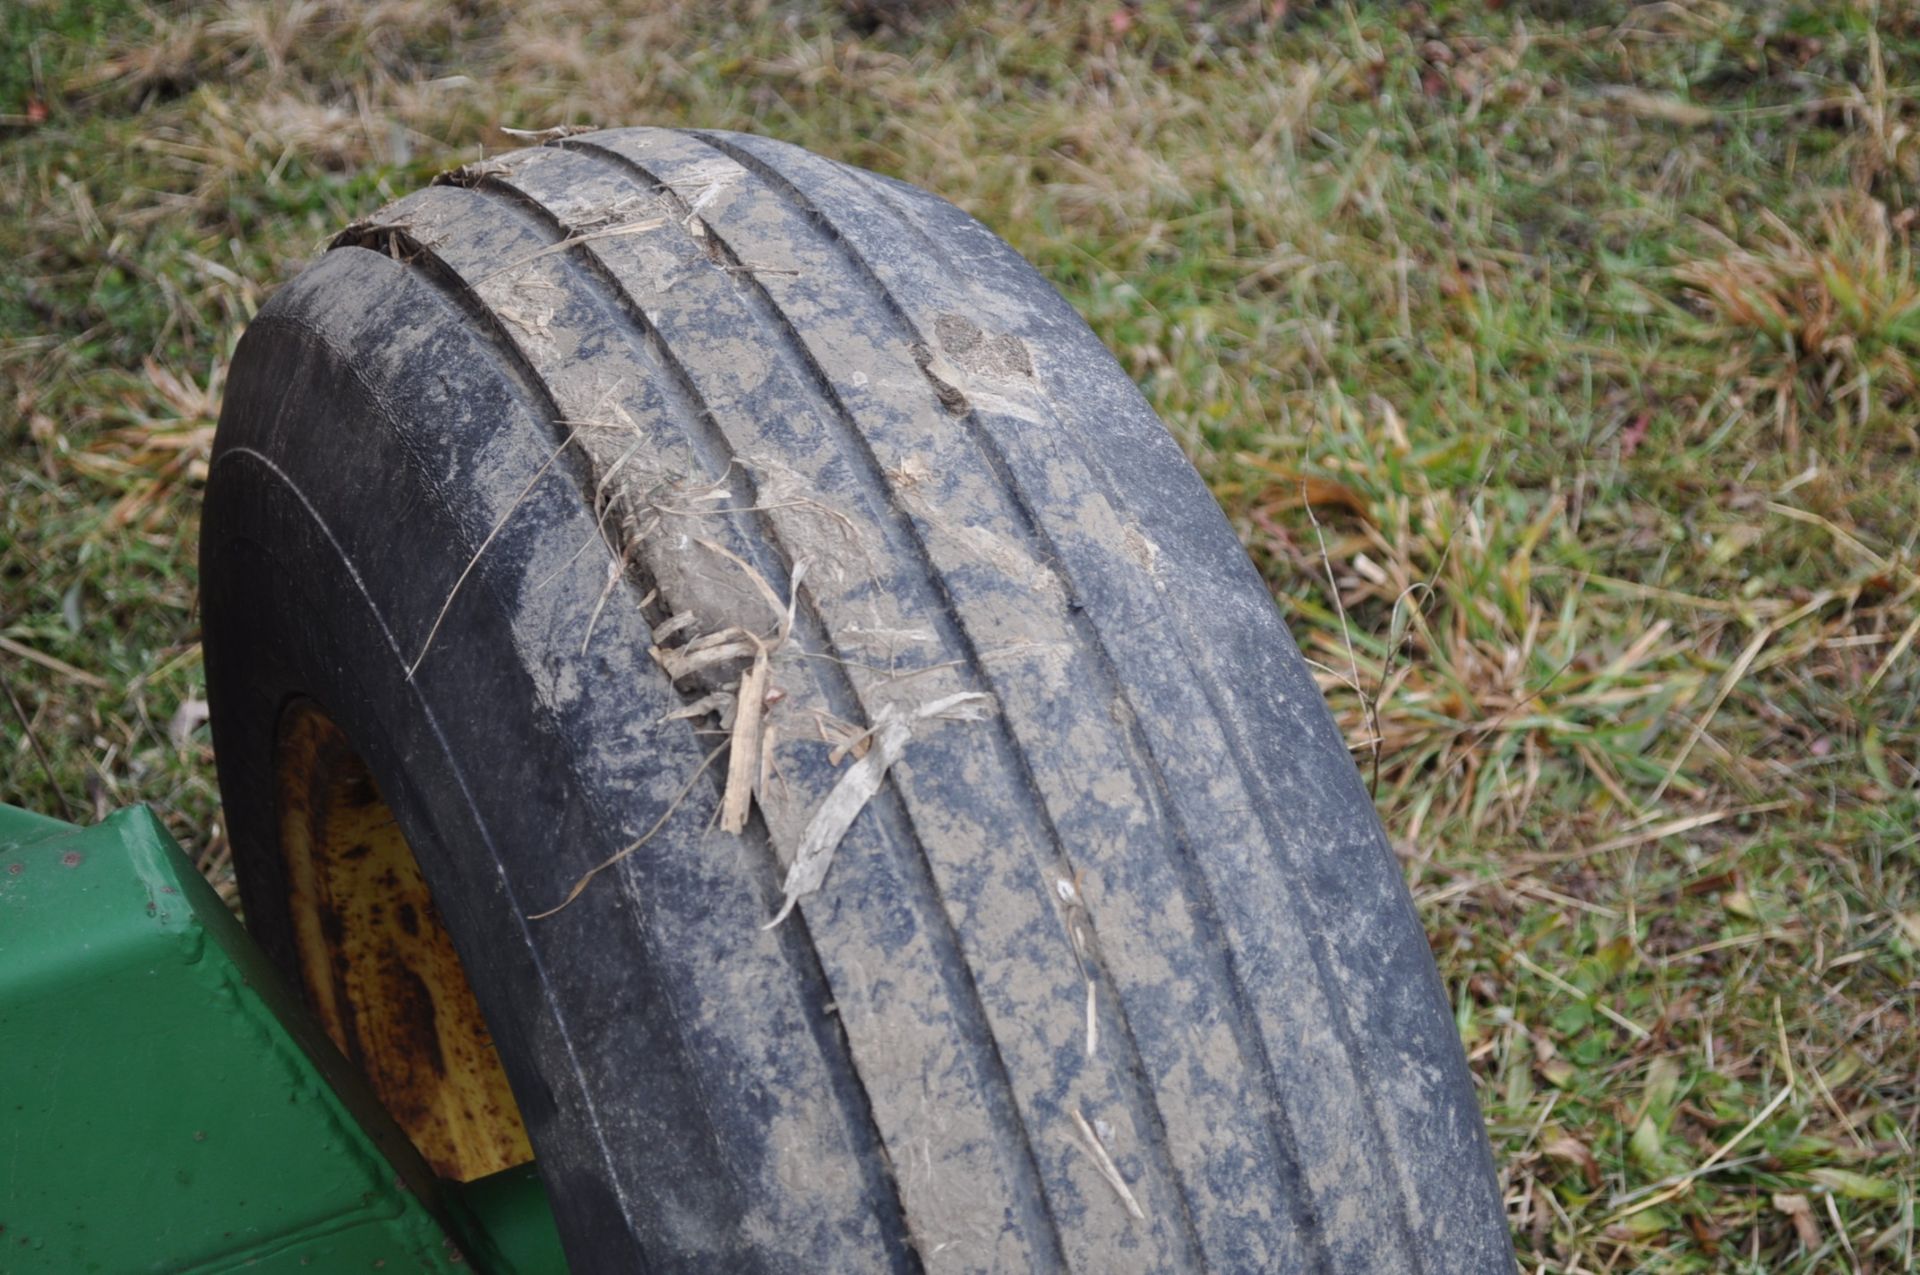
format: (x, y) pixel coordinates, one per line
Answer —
(1800, 1213)
(1298, 490)
(1570, 1150)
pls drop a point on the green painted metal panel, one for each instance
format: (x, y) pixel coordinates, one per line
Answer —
(508, 1218)
(166, 1107)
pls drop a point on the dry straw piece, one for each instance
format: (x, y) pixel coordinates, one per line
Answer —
(1103, 1161)
(857, 787)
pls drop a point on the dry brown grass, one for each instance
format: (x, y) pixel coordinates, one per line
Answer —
(1834, 322)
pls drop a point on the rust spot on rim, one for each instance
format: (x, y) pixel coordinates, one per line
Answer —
(376, 962)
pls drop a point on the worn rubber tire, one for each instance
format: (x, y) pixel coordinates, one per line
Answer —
(899, 1076)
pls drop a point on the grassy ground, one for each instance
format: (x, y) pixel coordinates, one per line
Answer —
(1558, 363)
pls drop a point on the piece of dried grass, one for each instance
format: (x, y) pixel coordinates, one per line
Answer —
(858, 786)
(745, 762)
(679, 799)
(1097, 1151)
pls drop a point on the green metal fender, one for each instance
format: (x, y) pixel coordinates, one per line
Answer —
(166, 1106)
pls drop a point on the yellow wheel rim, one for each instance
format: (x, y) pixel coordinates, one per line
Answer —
(377, 963)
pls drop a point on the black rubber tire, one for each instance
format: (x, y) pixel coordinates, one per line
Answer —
(898, 1077)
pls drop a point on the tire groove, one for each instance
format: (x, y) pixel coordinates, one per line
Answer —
(1147, 1100)
(710, 444)
(419, 258)
(1246, 1029)
(1254, 782)
(799, 356)
(452, 287)
(720, 457)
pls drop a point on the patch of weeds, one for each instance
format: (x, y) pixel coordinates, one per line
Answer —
(43, 41)
(1826, 322)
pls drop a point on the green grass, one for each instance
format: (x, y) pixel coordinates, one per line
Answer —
(1558, 364)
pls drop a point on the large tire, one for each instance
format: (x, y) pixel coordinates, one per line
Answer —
(438, 445)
